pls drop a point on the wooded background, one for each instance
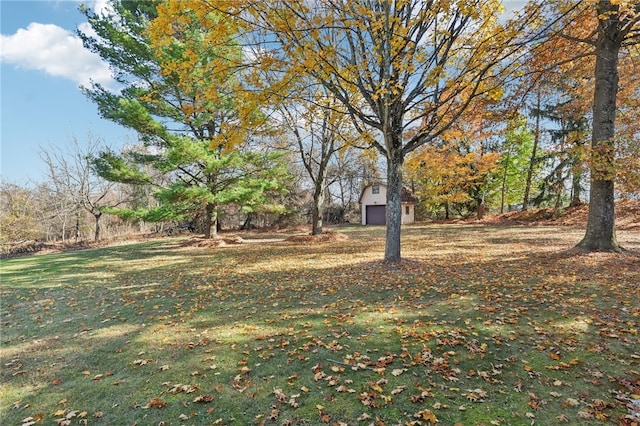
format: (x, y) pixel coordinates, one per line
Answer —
(279, 113)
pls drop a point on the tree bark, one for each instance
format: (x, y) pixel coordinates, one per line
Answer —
(600, 234)
(77, 226)
(503, 191)
(318, 204)
(481, 207)
(394, 206)
(96, 233)
(576, 188)
(210, 222)
(532, 160)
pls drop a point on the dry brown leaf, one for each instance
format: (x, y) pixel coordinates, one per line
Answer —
(156, 403)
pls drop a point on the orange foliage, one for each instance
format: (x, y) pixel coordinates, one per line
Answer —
(566, 61)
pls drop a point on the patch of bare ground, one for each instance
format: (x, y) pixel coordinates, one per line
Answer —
(627, 216)
(211, 242)
(327, 236)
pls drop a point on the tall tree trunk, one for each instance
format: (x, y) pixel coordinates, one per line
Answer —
(600, 234)
(210, 222)
(503, 190)
(576, 187)
(77, 226)
(318, 205)
(96, 233)
(394, 205)
(481, 207)
(532, 160)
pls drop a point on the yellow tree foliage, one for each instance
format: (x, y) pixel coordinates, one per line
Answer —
(396, 66)
(458, 169)
(445, 176)
(567, 61)
(613, 39)
(199, 54)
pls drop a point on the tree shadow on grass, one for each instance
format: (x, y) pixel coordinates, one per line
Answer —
(239, 322)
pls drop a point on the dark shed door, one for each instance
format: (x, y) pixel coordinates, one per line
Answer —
(376, 215)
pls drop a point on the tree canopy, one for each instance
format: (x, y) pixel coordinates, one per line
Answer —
(396, 66)
(202, 81)
(182, 94)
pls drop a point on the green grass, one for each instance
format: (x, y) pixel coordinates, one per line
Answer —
(480, 325)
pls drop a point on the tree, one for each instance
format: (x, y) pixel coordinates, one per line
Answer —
(183, 95)
(396, 65)
(533, 158)
(618, 26)
(18, 220)
(353, 169)
(627, 129)
(453, 176)
(601, 36)
(514, 163)
(76, 184)
(241, 178)
(321, 131)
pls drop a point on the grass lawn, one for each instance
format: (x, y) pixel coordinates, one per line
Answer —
(480, 325)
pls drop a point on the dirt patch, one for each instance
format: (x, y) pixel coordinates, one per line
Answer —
(325, 237)
(211, 242)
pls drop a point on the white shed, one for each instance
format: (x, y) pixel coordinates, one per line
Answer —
(373, 202)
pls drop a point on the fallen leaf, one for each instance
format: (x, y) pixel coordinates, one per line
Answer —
(570, 402)
(156, 403)
(204, 398)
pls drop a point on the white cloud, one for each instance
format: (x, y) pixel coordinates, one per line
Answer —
(100, 7)
(56, 51)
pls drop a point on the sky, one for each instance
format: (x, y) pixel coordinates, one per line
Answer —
(42, 67)
(43, 64)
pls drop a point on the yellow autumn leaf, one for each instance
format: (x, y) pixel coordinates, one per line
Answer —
(398, 371)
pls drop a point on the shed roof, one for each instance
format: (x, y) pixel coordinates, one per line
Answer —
(406, 196)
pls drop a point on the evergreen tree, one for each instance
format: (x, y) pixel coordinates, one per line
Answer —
(190, 114)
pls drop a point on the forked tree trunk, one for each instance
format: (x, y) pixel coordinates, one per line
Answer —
(394, 206)
(600, 234)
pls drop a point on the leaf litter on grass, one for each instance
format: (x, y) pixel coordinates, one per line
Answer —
(479, 325)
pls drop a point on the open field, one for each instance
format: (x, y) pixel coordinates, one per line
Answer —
(481, 325)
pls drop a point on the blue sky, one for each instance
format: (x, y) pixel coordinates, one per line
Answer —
(43, 64)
